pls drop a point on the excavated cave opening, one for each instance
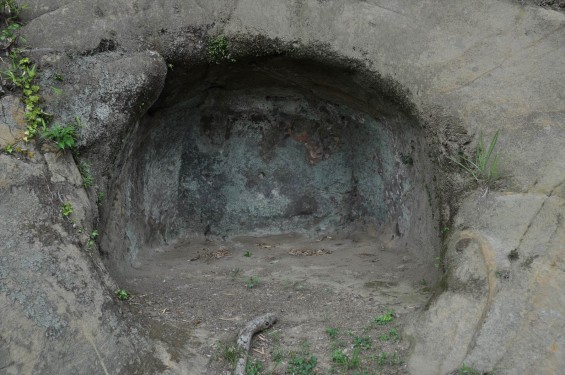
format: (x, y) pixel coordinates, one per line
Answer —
(272, 184)
(270, 146)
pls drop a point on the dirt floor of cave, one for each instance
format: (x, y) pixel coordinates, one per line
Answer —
(194, 296)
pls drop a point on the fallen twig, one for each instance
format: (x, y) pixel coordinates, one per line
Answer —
(244, 339)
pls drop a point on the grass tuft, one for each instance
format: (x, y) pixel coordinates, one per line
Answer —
(483, 167)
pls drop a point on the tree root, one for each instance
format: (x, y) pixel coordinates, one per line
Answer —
(244, 339)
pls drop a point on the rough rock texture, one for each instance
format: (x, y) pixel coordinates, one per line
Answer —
(249, 153)
(12, 121)
(470, 67)
(109, 92)
(50, 293)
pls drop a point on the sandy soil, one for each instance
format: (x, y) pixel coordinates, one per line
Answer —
(196, 295)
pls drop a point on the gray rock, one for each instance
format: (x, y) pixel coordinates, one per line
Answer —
(63, 168)
(12, 120)
(460, 69)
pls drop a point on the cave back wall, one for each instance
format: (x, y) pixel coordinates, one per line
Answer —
(267, 147)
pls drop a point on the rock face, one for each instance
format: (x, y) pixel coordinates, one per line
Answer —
(13, 123)
(51, 295)
(455, 70)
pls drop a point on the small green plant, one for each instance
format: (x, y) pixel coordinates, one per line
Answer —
(252, 282)
(350, 362)
(228, 352)
(10, 9)
(22, 74)
(100, 197)
(364, 342)
(354, 361)
(386, 359)
(87, 179)
(339, 357)
(63, 136)
(218, 50)
(396, 360)
(277, 355)
(385, 318)
(92, 238)
(302, 364)
(247, 254)
(122, 294)
(332, 332)
(10, 149)
(67, 209)
(392, 335)
(9, 35)
(56, 91)
(253, 367)
(382, 358)
(483, 167)
(467, 370)
(58, 77)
